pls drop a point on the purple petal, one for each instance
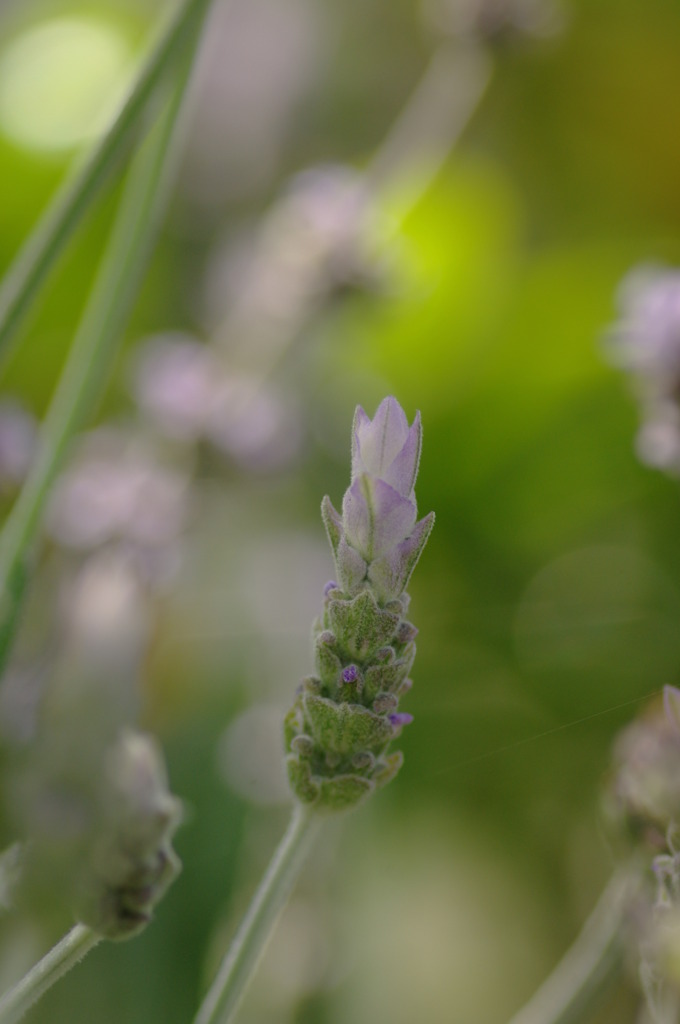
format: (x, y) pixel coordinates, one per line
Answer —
(377, 443)
(376, 517)
(360, 426)
(390, 573)
(400, 718)
(350, 674)
(401, 474)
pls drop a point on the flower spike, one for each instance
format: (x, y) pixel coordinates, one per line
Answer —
(340, 727)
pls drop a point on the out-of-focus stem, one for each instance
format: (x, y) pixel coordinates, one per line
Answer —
(432, 120)
(588, 967)
(253, 934)
(53, 966)
(101, 327)
(414, 150)
(25, 277)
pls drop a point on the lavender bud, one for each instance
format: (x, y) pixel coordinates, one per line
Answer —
(364, 647)
(406, 633)
(385, 702)
(643, 795)
(400, 719)
(132, 862)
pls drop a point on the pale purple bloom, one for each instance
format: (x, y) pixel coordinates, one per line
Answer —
(350, 674)
(114, 489)
(379, 509)
(386, 447)
(377, 539)
(189, 392)
(646, 342)
(376, 517)
(646, 339)
(175, 384)
(253, 423)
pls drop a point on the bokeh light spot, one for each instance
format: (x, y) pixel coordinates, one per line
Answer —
(61, 81)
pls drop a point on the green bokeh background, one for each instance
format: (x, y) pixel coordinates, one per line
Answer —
(548, 599)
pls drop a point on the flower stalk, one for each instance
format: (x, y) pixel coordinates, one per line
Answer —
(589, 966)
(239, 964)
(53, 966)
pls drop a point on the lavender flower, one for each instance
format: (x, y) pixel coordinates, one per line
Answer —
(344, 718)
(96, 820)
(646, 343)
(132, 861)
(377, 540)
(644, 789)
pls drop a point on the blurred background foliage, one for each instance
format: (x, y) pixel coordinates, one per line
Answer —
(183, 563)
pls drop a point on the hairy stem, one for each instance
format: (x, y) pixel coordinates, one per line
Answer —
(34, 261)
(587, 968)
(249, 943)
(53, 966)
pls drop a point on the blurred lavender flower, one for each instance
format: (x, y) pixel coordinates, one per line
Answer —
(646, 343)
(643, 795)
(18, 435)
(106, 617)
(87, 798)
(657, 918)
(190, 394)
(95, 831)
(131, 861)
(254, 424)
(114, 490)
(311, 243)
(174, 383)
(341, 725)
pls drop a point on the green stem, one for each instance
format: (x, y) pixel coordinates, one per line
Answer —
(25, 277)
(99, 331)
(242, 958)
(588, 967)
(431, 122)
(53, 966)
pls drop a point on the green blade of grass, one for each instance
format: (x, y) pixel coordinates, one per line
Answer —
(27, 274)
